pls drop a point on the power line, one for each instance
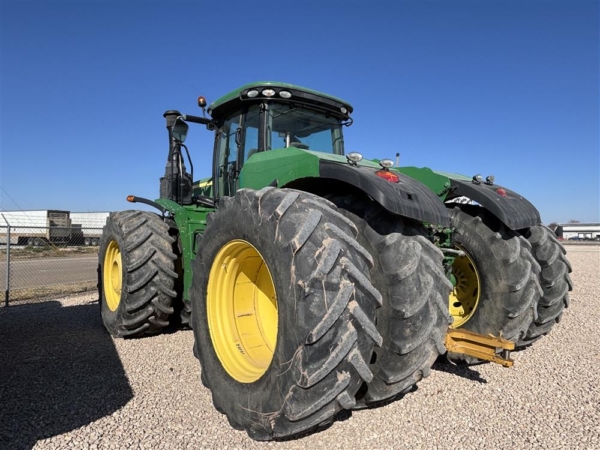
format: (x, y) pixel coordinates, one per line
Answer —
(18, 206)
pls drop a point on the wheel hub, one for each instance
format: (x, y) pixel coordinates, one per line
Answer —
(113, 275)
(465, 294)
(242, 311)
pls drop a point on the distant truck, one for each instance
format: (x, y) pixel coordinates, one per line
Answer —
(87, 227)
(35, 228)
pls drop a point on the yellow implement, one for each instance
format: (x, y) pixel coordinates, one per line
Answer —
(489, 348)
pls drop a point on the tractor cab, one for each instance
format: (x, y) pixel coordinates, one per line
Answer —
(266, 116)
(254, 118)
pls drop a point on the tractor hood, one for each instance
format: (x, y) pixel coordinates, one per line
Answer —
(317, 172)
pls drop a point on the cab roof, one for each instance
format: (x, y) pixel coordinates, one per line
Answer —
(300, 94)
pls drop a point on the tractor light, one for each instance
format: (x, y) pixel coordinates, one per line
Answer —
(253, 93)
(344, 110)
(268, 92)
(387, 175)
(490, 179)
(201, 102)
(477, 179)
(501, 192)
(386, 163)
(131, 198)
(285, 94)
(354, 157)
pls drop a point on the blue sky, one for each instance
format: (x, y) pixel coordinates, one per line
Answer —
(509, 88)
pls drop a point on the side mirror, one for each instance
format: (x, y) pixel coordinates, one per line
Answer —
(180, 130)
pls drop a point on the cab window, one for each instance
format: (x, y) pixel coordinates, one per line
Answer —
(290, 126)
(251, 127)
(226, 158)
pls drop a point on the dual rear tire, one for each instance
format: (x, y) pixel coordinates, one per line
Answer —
(414, 319)
(554, 279)
(496, 284)
(508, 283)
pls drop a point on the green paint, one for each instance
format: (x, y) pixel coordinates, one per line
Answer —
(204, 187)
(342, 159)
(452, 278)
(436, 181)
(191, 221)
(286, 165)
(283, 165)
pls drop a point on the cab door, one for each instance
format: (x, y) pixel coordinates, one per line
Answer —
(225, 170)
(237, 140)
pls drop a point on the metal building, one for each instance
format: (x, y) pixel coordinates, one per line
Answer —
(578, 231)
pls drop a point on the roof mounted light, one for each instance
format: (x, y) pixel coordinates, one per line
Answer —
(344, 110)
(285, 94)
(252, 93)
(354, 157)
(477, 179)
(490, 179)
(268, 92)
(386, 163)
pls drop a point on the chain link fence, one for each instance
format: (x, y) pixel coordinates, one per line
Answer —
(40, 263)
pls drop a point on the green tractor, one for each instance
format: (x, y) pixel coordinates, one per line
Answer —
(315, 280)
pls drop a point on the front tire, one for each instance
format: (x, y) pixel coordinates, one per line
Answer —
(289, 360)
(496, 289)
(136, 274)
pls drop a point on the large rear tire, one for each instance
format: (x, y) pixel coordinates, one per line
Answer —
(414, 319)
(554, 279)
(497, 285)
(136, 274)
(283, 311)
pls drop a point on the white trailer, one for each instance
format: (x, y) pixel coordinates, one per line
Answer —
(87, 227)
(35, 227)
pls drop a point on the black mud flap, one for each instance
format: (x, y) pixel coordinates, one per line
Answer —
(408, 197)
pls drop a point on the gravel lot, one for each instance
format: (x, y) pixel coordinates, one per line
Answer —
(67, 384)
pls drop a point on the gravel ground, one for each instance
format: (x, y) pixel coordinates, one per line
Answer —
(67, 384)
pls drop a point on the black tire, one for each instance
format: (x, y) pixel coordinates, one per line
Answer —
(326, 308)
(181, 317)
(509, 288)
(413, 319)
(144, 303)
(554, 279)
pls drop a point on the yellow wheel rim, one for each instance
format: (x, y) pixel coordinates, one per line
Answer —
(113, 276)
(464, 297)
(242, 311)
